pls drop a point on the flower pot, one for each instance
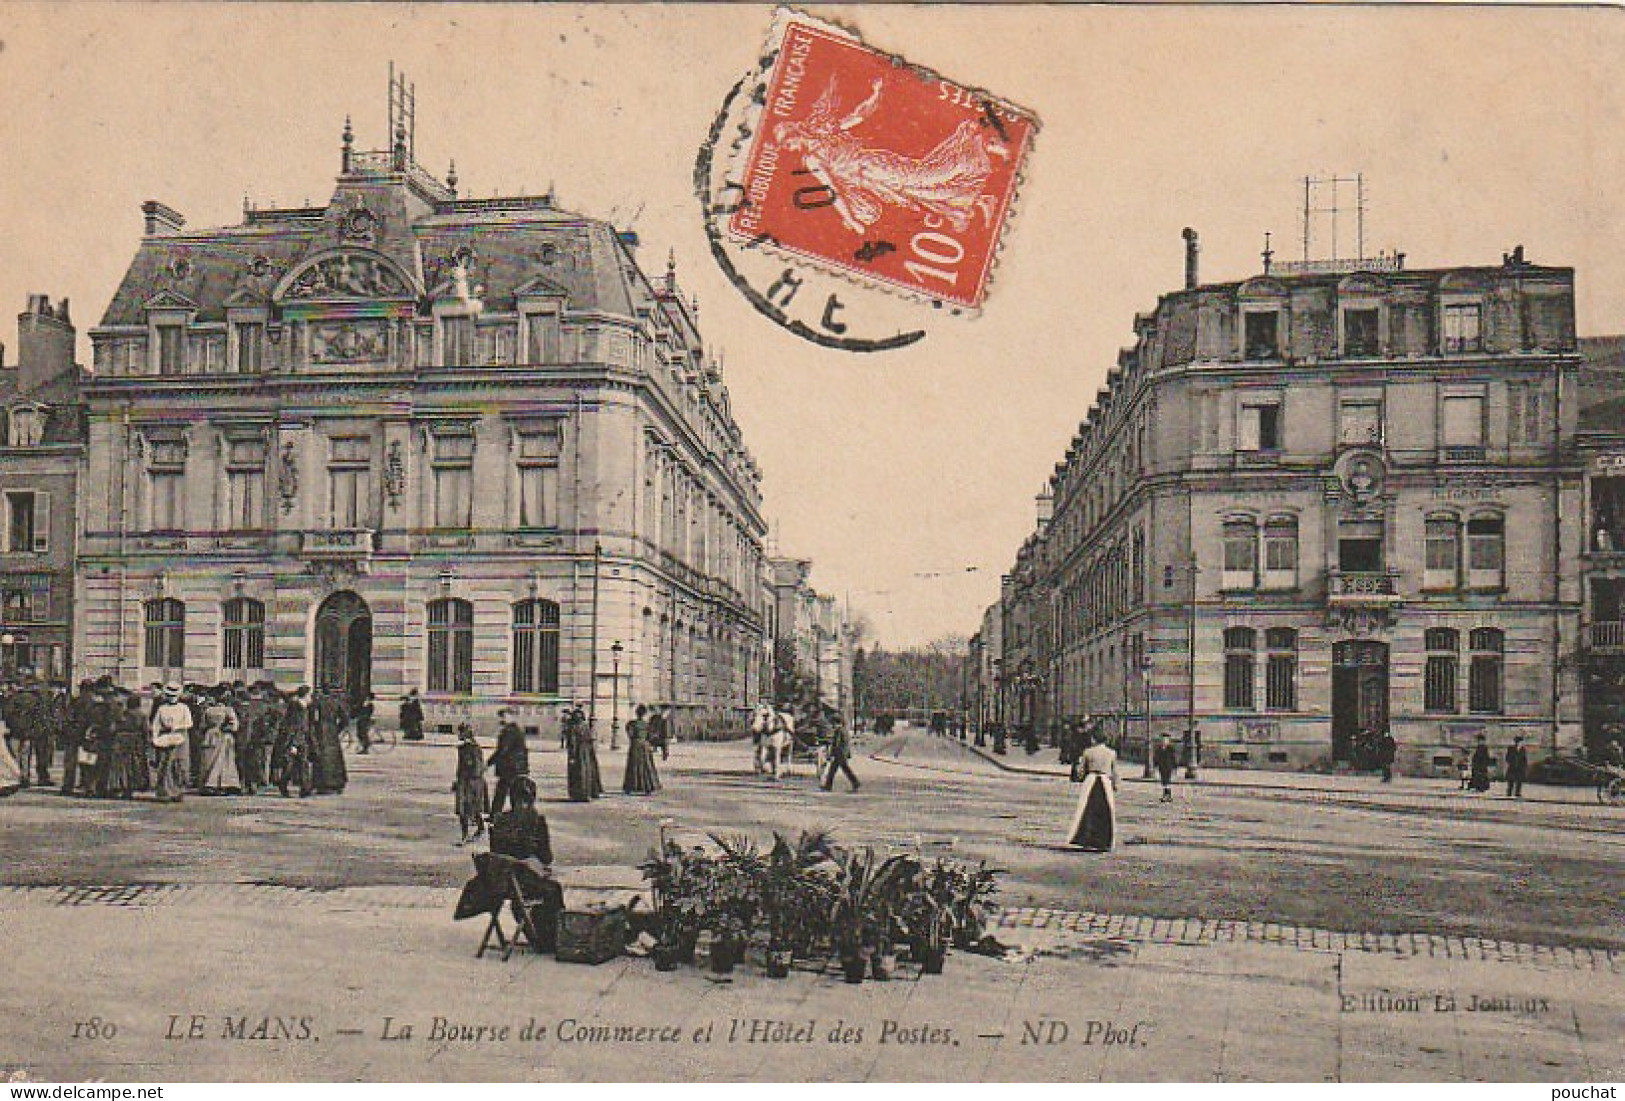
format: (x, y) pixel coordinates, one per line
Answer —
(883, 964)
(854, 968)
(724, 954)
(932, 958)
(665, 957)
(778, 963)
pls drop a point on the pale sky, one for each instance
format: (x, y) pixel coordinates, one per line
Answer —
(1475, 129)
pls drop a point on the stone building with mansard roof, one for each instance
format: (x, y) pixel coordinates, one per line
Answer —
(410, 440)
(1328, 500)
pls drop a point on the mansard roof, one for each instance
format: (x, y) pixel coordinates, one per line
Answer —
(510, 246)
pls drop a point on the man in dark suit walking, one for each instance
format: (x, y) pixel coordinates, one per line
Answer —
(510, 759)
(1517, 767)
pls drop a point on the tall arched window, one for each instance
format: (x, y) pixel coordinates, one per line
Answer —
(165, 650)
(451, 646)
(1240, 668)
(1485, 675)
(244, 637)
(536, 647)
(1443, 660)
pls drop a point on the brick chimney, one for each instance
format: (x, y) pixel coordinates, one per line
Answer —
(1193, 252)
(45, 342)
(161, 221)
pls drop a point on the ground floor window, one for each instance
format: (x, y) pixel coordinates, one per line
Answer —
(536, 647)
(1281, 669)
(165, 621)
(1484, 686)
(1240, 646)
(451, 646)
(244, 641)
(1439, 679)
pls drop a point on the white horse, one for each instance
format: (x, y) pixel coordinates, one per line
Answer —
(772, 732)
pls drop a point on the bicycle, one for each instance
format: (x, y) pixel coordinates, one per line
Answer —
(379, 739)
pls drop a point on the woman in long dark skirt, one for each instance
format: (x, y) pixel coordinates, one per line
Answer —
(585, 781)
(126, 768)
(473, 798)
(1094, 823)
(327, 721)
(1480, 780)
(641, 776)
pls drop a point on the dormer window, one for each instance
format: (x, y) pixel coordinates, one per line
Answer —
(26, 426)
(1462, 329)
(1360, 337)
(457, 341)
(1262, 334)
(171, 349)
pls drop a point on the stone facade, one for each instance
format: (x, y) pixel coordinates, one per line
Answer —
(406, 440)
(1349, 490)
(813, 641)
(42, 441)
(1600, 451)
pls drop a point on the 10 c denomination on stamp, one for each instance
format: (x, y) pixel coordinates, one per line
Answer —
(874, 167)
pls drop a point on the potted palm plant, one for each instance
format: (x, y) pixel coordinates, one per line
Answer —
(860, 916)
(734, 899)
(792, 893)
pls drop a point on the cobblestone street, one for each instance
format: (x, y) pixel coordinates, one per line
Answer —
(334, 913)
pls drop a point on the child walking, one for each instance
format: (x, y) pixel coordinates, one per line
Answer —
(473, 800)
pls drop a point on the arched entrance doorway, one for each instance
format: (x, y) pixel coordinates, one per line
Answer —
(344, 646)
(1359, 698)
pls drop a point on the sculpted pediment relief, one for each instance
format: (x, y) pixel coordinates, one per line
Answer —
(348, 273)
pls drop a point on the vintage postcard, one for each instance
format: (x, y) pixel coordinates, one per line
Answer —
(861, 543)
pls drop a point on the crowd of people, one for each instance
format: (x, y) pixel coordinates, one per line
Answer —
(173, 739)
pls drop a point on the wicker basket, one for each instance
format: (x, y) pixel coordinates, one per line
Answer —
(592, 935)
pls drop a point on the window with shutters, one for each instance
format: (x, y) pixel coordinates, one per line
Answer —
(451, 646)
(1359, 422)
(28, 519)
(171, 349)
(1461, 428)
(1439, 679)
(536, 647)
(1258, 426)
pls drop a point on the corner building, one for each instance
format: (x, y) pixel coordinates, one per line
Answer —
(407, 440)
(1322, 502)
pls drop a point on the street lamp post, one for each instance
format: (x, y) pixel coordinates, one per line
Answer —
(615, 652)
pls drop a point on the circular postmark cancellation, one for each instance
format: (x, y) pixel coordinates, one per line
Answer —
(845, 189)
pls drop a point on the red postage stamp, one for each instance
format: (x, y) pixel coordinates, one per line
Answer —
(865, 163)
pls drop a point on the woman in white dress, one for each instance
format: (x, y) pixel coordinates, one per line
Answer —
(1094, 823)
(11, 777)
